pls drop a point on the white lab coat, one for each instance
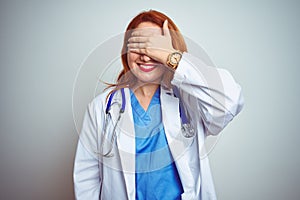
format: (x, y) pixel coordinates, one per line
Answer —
(211, 97)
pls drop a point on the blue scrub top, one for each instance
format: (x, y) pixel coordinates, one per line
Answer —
(156, 173)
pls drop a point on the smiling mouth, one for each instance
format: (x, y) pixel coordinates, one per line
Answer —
(147, 67)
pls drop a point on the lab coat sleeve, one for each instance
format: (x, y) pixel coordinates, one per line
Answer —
(86, 166)
(218, 97)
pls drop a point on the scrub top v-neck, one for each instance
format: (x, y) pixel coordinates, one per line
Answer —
(156, 173)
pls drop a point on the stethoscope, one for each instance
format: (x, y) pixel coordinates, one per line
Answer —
(187, 129)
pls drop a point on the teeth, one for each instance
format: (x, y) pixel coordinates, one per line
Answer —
(147, 66)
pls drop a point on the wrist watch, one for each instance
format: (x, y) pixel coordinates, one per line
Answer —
(173, 59)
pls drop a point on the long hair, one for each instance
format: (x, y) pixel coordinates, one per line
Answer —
(126, 78)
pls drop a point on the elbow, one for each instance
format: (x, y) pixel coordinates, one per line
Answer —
(216, 124)
(237, 104)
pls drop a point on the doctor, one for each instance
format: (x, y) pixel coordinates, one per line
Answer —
(142, 138)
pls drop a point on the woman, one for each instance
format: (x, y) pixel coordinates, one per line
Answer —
(142, 138)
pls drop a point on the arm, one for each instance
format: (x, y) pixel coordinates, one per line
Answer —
(86, 166)
(218, 96)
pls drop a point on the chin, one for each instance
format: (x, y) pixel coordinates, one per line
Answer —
(147, 80)
(145, 77)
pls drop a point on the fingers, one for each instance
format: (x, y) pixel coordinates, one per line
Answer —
(136, 50)
(153, 42)
(166, 28)
(136, 45)
(146, 32)
(138, 39)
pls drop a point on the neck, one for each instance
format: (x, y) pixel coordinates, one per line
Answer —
(145, 90)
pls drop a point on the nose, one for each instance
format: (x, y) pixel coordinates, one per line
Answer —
(145, 58)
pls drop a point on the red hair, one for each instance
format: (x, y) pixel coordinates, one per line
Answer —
(126, 78)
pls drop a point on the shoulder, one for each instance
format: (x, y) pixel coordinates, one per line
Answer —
(99, 101)
(101, 97)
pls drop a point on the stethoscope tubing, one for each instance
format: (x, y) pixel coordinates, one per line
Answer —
(108, 106)
(187, 129)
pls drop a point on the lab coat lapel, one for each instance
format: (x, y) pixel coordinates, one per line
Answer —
(126, 144)
(172, 124)
(178, 144)
(170, 114)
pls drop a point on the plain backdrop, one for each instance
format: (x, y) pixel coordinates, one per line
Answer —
(43, 44)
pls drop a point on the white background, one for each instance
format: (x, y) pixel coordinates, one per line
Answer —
(43, 44)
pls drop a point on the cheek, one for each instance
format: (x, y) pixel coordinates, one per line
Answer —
(131, 58)
(161, 71)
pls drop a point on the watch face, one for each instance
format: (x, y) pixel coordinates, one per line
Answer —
(175, 58)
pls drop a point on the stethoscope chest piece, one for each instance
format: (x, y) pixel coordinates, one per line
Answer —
(187, 130)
